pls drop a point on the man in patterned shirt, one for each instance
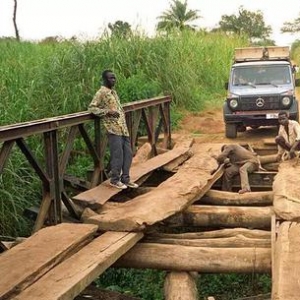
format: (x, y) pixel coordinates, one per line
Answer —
(288, 138)
(106, 104)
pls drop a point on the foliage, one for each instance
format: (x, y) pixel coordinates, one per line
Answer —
(15, 196)
(177, 17)
(146, 284)
(120, 29)
(233, 286)
(246, 22)
(291, 26)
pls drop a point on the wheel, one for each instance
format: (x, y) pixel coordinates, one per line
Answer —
(230, 130)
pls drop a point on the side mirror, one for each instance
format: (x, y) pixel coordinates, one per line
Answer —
(297, 82)
(226, 85)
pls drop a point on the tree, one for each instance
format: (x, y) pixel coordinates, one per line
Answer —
(177, 17)
(15, 20)
(120, 29)
(291, 27)
(246, 22)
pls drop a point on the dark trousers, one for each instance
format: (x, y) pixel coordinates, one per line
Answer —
(120, 158)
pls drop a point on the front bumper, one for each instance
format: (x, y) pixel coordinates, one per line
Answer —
(257, 118)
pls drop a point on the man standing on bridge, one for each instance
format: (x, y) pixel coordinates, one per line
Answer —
(288, 139)
(237, 160)
(106, 104)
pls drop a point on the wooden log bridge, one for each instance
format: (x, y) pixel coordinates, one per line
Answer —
(182, 224)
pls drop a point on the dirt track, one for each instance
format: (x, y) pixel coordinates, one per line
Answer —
(208, 126)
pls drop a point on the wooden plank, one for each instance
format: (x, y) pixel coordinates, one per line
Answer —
(286, 190)
(286, 263)
(97, 196)
(180, 142)
(202, 260)
(73, 275)
(28, 261)
(191, 182)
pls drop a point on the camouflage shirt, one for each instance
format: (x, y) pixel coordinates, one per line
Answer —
(105, 100)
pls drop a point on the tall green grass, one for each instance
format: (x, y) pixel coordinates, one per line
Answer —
(49, 79)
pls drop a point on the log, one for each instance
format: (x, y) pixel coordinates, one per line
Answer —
(220, 216)
(286, 190)
(142, 154)
(202, 260)
(215, 197)
(31, 259)
(286, 265)
(173, 165)
(238, 241)
(179, 286)
(265, 159)
(192, 181)
(72, 276)
(222, 233)
(96, 197)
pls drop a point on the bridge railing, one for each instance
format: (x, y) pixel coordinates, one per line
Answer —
(58, 138)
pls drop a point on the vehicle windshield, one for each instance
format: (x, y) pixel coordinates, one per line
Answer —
(261, 75)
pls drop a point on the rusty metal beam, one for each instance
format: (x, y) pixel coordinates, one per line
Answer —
(33, 161)
(154, 112)
(4, 154)
(66, 154)
(12, 132)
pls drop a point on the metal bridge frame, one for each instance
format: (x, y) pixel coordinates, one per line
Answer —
(155, 113)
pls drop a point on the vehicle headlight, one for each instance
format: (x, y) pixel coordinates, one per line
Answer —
(286, 101)
(233, 103)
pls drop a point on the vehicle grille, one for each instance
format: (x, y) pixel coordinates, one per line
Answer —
(250, 103)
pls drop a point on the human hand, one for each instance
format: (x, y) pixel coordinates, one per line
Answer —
(227, 162)
(278, 157)
(113, 113)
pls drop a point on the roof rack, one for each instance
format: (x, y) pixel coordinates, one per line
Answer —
(262, 53)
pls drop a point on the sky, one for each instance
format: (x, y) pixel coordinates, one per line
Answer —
(86, 19)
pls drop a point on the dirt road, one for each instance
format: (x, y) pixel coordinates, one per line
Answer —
(208, 126)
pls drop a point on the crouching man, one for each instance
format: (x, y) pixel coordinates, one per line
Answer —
(288, 138)
(237, 160)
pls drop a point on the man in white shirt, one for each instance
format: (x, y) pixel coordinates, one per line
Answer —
(288, 138)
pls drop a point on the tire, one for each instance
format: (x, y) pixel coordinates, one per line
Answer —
(230, 130)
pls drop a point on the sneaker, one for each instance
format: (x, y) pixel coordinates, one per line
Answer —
(132, 185)
(119, 185)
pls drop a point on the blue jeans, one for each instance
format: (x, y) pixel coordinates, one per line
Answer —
(120, 157)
